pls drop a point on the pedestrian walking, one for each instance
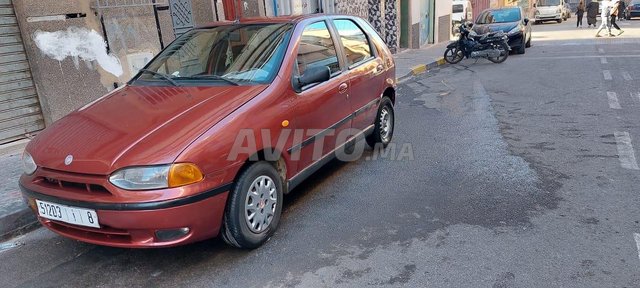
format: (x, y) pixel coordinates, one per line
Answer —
(621, 10)
(592, 12)
(606, 18)
(580, 13)
(615, 10)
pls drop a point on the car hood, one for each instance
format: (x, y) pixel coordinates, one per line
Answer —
(486, 28)
(135, 125)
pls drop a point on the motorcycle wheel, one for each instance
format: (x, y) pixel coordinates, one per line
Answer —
(504, 54)
(453, 55)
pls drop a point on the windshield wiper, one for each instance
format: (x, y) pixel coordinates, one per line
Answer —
(162, 75)
(214, 77)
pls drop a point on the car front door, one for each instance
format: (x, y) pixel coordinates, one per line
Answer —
(323, 110)
(365, 71)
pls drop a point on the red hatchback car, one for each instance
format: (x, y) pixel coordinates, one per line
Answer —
(207, 138)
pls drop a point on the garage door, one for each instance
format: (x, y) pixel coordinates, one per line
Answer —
(20, 112)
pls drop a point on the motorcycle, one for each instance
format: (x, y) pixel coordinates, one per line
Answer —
(493, 45)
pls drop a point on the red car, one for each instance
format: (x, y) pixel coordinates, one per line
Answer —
(207, 138)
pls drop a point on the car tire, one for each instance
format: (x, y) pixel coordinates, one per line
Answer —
(258, 186)
(384, 124)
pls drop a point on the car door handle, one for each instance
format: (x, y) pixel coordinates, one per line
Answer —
(343, 88)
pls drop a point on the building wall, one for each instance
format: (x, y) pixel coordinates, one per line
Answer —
(443, 21)
(66, 81)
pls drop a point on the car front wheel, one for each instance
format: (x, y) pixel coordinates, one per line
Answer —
(253, 207)
(384, 124)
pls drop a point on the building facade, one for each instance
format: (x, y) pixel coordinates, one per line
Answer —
(57, 56)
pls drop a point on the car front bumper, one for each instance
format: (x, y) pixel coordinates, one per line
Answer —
(515, 39)
(138, 224)
(634, 13)
(548, 17)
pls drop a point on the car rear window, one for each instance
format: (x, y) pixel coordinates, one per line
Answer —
(354, 41)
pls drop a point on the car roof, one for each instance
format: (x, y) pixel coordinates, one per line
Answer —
(273, 20)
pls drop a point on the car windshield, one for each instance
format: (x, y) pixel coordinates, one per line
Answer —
(224, 55)
(457, 8)
(499, 16)
(542, 3)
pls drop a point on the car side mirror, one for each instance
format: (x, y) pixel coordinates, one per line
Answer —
(314, 74)
(526, 21)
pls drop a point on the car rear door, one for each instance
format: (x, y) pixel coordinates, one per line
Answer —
(323, 110)
(365, 69)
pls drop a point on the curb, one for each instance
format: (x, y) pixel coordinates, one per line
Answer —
(21, 219)
(17, 223)
(422, 68)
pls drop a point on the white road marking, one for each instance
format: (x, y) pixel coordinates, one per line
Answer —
(626, 155)
(572, 57)
(603, 60)
(613, 100)
(607, 75)
(636, 236)
(601, 51)
(626, 76)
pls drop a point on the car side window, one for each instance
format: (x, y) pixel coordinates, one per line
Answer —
(317, 49)
(356, 44)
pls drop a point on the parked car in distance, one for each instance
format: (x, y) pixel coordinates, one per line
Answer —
(548, 10)
(632, 10)
(207, 138)
(509, 20)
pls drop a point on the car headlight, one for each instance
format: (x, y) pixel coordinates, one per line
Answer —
(514, 30)
(156, 177)
(537, 13)
(28, 164)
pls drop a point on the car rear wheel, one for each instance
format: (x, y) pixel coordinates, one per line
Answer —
(384, 125)
(253, 207)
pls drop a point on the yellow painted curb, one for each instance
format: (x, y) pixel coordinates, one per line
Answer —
(418, 69)
(441, 61)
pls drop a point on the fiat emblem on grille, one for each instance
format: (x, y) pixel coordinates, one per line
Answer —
(68, 160)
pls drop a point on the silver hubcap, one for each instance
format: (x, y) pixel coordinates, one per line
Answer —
(260, 205)
(386, 124)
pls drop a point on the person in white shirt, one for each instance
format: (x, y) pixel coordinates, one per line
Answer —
(604, 15)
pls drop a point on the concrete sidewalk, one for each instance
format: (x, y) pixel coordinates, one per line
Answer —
(416, 61)
(14, 214)
(15, 217)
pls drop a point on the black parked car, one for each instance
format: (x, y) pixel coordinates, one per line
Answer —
(509, 20)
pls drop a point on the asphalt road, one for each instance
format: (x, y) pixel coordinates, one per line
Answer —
(521, 174)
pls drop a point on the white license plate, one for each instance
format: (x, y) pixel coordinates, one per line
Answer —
(68, 214)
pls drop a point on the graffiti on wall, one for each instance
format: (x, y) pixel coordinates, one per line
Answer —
(353, 7)
(391, 25)
(78, 44)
